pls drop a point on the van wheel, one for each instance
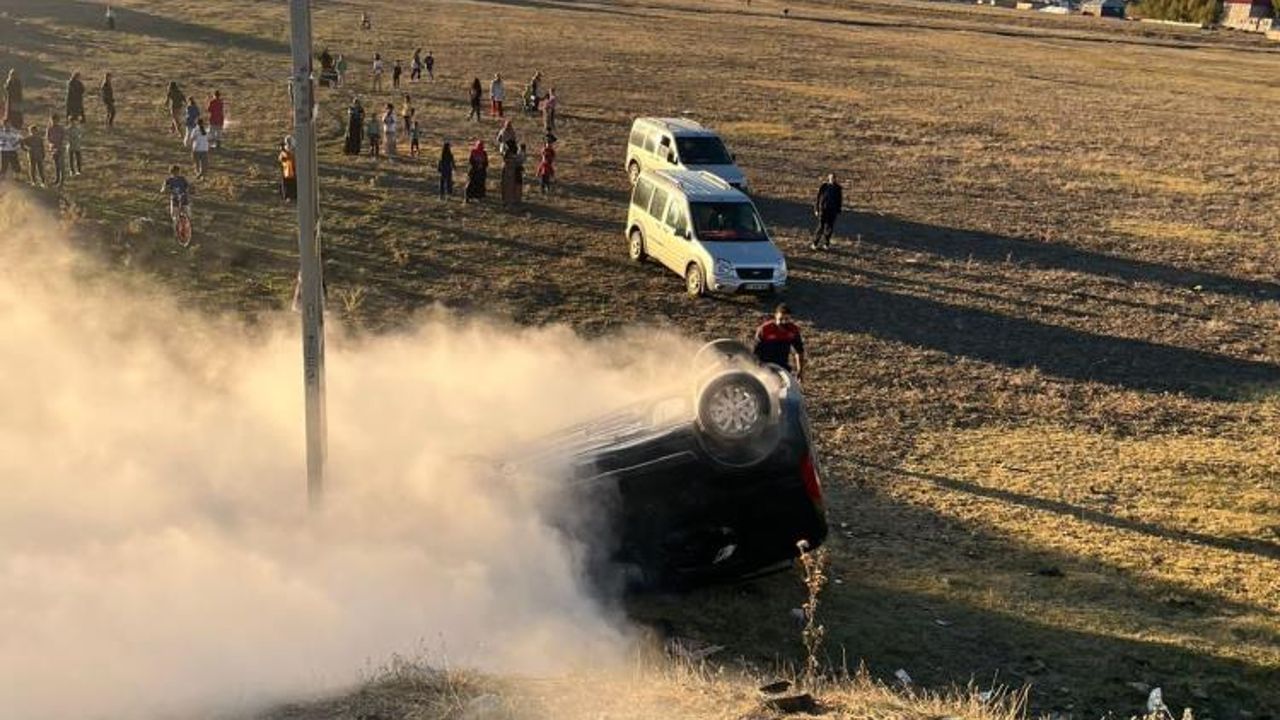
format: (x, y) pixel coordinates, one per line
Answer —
(633, 172)
(694, 283)
(635, 246)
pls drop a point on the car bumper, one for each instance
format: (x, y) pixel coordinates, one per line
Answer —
(736, 285)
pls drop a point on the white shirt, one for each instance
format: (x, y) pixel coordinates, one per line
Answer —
(198, 141)
(496, 91)
(10, 140)
(377, 67)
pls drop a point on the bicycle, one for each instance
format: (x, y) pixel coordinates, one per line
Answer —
(181, 213)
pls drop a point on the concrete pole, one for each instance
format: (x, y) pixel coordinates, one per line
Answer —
(302, 91)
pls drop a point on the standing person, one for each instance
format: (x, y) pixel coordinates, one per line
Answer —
(497, 94)
(377, 72)
(10, 144)
(217, 115)
(510, 173)
(108, 94)
(414, 136)
(389, 130)
(826, 207)
(288, 171)
(506, 136)
(477, 173)
(546, 168)
(340, 65)
(521, 157)
(174, 99)
(75, 141)
(111, 19)
(366, 22)
(355, 128)
(407, 112)
(430, 63)
(445, 166)
(13, 93)
(75, 98)
(415, 67)
(534, 82)
(395, 75)
(549, 105)
(373, 128)
(777, 338)
(56, 136)
(199, 141)
(193, 114)
(474, 94)
(34, 143)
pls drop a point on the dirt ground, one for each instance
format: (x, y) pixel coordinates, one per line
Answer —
(1045, 360)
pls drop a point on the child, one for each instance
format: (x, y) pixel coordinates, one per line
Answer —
(546, 169)
(373, 128)
(430, 62)
(288, 171)
(413, 138)
(377, 71)
(445, 166)
(34, 143)
(199, 141)
(56, 137)
(395, 75)
(75, 139)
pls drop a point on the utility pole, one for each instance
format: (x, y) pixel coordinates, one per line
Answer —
(302, 92)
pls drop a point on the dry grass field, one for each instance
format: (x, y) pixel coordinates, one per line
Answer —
(1045, 349)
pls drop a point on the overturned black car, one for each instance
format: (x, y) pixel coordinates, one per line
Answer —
(715, 484)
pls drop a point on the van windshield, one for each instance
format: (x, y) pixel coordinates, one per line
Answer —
(706, 150)
(727, 221)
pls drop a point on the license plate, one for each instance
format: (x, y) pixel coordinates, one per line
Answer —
(756, 286)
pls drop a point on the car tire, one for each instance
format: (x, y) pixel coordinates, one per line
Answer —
(633, 172)
(695, 283)
(733, 408)
(635, 246)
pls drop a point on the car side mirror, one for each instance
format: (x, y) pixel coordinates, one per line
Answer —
(671, 158)
(688, 234)
(733, 157)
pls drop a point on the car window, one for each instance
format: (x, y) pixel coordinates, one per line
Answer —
(643, 193)
(650, 142)
(637, 137)
(727, 221)
(676, 218)
(659, 202)
(703, 150)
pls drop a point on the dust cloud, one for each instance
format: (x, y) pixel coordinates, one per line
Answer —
(156, 555)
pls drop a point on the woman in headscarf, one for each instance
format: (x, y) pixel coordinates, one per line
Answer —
(13, 92)
(389, 130)
(506, 138)
(175, 100)
(355, 128)
(510, 173)
(477, 172)
(75, 98)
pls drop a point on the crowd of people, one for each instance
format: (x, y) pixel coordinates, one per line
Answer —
(381, 132)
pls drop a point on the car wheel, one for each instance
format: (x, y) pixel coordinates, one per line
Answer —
(635, 246)
(734, 408)
(633, 172)
(694, 283)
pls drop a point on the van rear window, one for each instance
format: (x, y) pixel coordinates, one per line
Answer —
(643, 193)
(637, 137)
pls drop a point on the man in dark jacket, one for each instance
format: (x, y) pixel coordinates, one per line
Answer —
(827, 207)
(108, 93)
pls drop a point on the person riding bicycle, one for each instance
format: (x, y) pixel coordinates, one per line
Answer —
(179, 191)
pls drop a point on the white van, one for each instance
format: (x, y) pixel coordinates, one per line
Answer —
(676, 143)
(703, 229)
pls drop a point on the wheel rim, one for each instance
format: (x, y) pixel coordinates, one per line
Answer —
(637, 246)
(634, 172)
(694, 282)
(734, 411)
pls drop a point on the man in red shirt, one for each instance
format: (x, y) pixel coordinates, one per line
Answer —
(217, 114)
(777, 337)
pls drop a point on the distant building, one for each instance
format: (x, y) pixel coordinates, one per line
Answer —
(1246, 14)
(1103, 8)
